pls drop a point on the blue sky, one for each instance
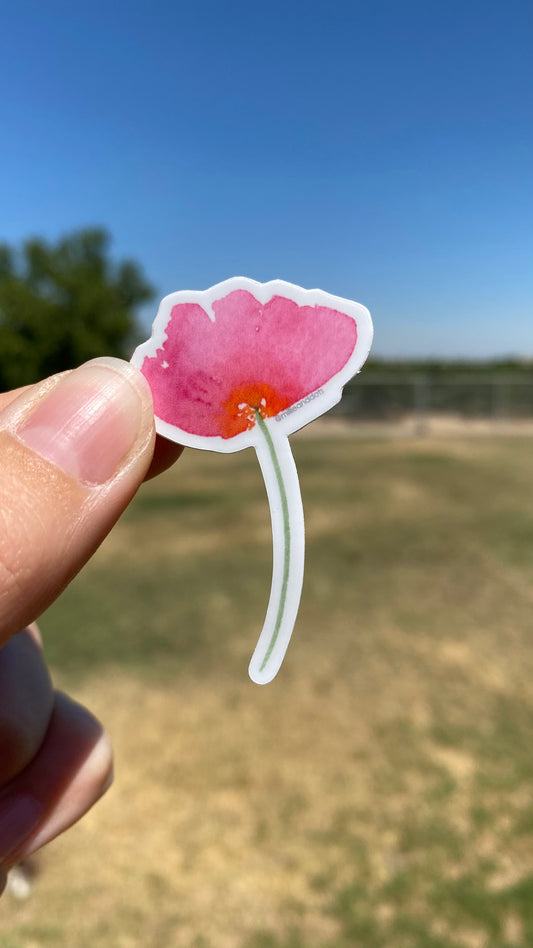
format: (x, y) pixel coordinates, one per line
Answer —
(380, 150)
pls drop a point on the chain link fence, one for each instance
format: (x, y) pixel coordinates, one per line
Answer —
(389, 397)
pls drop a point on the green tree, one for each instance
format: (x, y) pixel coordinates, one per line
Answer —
(64, 303)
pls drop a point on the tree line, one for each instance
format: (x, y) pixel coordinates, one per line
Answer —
(66, 302)
(63, 303)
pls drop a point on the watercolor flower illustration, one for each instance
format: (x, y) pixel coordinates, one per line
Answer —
(246, 364)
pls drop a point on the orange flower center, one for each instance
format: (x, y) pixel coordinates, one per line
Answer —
(244, 401)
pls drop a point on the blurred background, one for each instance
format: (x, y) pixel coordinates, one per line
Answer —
(380, 790)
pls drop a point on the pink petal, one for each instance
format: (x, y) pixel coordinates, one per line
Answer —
(291, 350)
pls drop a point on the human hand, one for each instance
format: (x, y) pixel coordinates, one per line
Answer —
(73, 451)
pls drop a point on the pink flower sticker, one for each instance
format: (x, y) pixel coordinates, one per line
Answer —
(246, 364)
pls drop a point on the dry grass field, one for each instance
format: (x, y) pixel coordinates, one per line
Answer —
(380, 791)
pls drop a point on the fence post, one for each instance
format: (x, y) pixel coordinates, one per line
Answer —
(498, 400)
(421, 405)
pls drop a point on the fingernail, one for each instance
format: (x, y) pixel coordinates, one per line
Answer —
(89, 422)
(20, 815)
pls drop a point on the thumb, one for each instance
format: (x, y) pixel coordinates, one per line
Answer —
(73, 451)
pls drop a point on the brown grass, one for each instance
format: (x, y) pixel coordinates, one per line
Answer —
(380, 790)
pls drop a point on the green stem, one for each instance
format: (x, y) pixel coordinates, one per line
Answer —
(286, 535)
